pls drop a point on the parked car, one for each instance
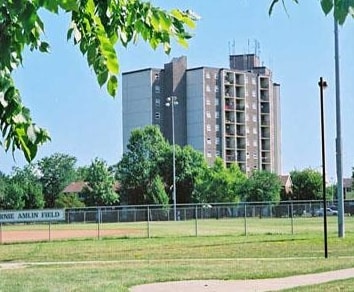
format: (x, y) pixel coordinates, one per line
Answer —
(329, 212)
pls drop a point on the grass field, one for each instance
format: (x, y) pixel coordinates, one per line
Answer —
(221, 251)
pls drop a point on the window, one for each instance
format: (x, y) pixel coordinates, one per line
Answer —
(246, 93)
(217, 153)
(246, 79)
(209, 141)
(254, 93)
(217, 128)
(209, 154)
(247, 130)
(207, 101)
(254, 118)
(208, 128)
(157, 102)
(208, 115)
(253, 80)
(207, 88)
(216, 76)
(254, 105)
(217, 141)
(247, 118)
(157, 89)
(207, 75)
(216, 101)
(255, 143)
(216, 88)
(254, 130)
(157, 115)
(217, 115)
(157, 76)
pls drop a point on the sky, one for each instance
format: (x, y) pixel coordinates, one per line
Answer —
(297, 45)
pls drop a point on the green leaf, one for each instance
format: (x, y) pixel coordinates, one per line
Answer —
(102, 77)
(112, 85)
(69, 5)
(327, 6)
(44, 47)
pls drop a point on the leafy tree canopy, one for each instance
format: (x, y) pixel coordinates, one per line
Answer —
(100, 181)
(262, 186)
(307, 184)
(220, 183)
(96, 28)
(341, 8)
(56, 172)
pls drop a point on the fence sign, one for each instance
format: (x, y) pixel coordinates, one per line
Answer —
(47, 215)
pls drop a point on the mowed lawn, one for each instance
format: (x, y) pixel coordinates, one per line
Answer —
(271, 248)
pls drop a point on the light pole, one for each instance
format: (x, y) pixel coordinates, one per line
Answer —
(339, 166)
(172, 101)
(323, 84)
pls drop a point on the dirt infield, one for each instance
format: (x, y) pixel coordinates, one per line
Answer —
(10, 236)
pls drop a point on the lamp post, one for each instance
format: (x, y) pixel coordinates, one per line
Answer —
(339, 166)
(172, 101)
(323, 84)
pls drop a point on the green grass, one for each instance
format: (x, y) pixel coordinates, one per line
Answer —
(335, 286)
(175, 253)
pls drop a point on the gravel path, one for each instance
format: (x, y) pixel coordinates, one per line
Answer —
(246, 285)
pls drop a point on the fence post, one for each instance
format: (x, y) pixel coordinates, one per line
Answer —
(196, 220)
(98, 223)
(292, 217)
(148, 222)
(245, 219)
(49, 228)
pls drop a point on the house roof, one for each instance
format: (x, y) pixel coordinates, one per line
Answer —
(285, 179)
(78, 186)
(347, 182)
(75, 187)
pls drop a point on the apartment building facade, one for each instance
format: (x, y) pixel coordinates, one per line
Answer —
(233, 113)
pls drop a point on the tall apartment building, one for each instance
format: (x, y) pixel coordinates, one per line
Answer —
(233, 113)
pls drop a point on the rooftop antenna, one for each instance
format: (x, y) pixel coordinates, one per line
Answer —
(257, 47)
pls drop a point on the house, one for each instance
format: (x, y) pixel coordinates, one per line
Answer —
(347, 186)
(76, 187)
(287, 187)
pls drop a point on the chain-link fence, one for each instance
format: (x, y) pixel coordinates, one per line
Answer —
(291, 217)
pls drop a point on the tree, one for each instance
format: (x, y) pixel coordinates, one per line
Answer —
(100, 185)
(14, 196)
(3, 184)
(68, 201)
(139, 165)
(262, 186)
(341, 9)
(307, 184)
(56, 172)
(220, 183)
(28, 180)
(190, 164)
(96, 28)
(156, 193)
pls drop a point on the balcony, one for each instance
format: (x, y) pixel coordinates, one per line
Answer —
(266, 144)
(264, 95)
(264, 82)
(265, 120)
(265, 108)
(265, 133)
